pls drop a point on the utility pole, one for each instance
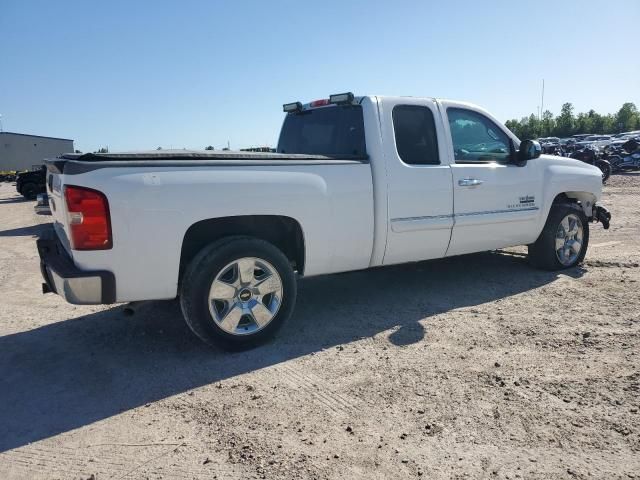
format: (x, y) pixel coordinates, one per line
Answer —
(542, 102)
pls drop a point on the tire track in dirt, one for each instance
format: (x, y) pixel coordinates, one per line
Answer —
(115, 465)
(317, 389)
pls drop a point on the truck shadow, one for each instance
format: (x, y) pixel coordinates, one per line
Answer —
(32, 231)
(19, 199)
(72, 373)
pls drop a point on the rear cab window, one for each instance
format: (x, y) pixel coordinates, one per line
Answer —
(332, 131)
(415, 135)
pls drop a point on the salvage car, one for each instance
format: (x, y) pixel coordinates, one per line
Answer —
(30, 184)
(355, 183)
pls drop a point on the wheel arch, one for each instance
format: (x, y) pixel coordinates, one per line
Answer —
(586, 200)
(283, 232)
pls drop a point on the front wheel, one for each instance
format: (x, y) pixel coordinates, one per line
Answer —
(564, 239)
(237, 292)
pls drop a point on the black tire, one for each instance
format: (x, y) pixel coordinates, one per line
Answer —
(202, 271)
(29, 190)
(605, 168)
(542, 253)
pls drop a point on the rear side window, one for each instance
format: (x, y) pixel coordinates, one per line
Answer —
(415, 132)
(331, 131)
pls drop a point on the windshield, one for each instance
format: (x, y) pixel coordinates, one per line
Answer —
(335, 130)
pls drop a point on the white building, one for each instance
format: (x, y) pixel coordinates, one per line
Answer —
(19, 151)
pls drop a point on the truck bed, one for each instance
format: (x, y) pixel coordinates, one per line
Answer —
(75, 163)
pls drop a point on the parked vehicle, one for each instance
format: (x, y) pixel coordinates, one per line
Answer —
(545, 140)
(627, 162)
(632, 145)
(549, 144)
(7, 176)
(624, 157)
(591, 156)
(30, 184)
(599, 140)
(356, 182)
(579, 137)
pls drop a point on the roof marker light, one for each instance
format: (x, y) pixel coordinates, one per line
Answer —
(319, 103)
(292, 107)
(341, 98)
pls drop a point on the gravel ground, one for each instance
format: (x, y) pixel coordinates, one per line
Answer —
(470, 367)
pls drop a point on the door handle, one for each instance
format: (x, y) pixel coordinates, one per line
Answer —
(469, 182)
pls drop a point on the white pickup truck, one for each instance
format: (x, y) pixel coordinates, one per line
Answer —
(356, 182)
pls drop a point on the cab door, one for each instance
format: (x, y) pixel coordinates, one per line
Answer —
(420, 192)
(497, 203)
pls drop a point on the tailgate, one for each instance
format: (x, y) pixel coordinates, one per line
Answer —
(55, 189)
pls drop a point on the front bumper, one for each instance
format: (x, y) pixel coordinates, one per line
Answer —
(602, 215)
(61, 276)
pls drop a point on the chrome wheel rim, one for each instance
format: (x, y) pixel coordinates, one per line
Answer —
(245, 296)
(569, 239)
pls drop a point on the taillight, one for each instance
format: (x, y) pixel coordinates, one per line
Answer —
(89, 221)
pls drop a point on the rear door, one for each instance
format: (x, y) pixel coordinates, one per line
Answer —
(420, 192)
(496, 202)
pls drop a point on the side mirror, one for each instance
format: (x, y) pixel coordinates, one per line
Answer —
(529, 149)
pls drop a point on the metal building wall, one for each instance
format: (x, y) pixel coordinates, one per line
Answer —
(23, 152)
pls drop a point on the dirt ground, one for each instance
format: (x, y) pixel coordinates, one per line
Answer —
(471, 367)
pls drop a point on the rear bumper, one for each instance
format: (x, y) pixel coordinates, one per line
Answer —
(61, 276)
(42, 204)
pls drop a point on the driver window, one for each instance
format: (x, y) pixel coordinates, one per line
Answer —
(476, 138)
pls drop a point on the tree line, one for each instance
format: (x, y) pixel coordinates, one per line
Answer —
(567, 123)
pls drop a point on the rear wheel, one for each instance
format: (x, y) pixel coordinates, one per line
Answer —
(564, 240)
(29, 190)
(237, 292)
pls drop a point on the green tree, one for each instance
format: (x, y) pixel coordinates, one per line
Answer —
(514, 126)
(530, 127)
(565, 122)
(584, 123)
(209, 148)
(548, 124)
(627, 118)
(603, 123)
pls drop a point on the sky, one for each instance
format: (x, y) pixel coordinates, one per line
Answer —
(187, 74)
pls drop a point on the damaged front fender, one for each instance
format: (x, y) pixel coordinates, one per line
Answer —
(602, 215)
